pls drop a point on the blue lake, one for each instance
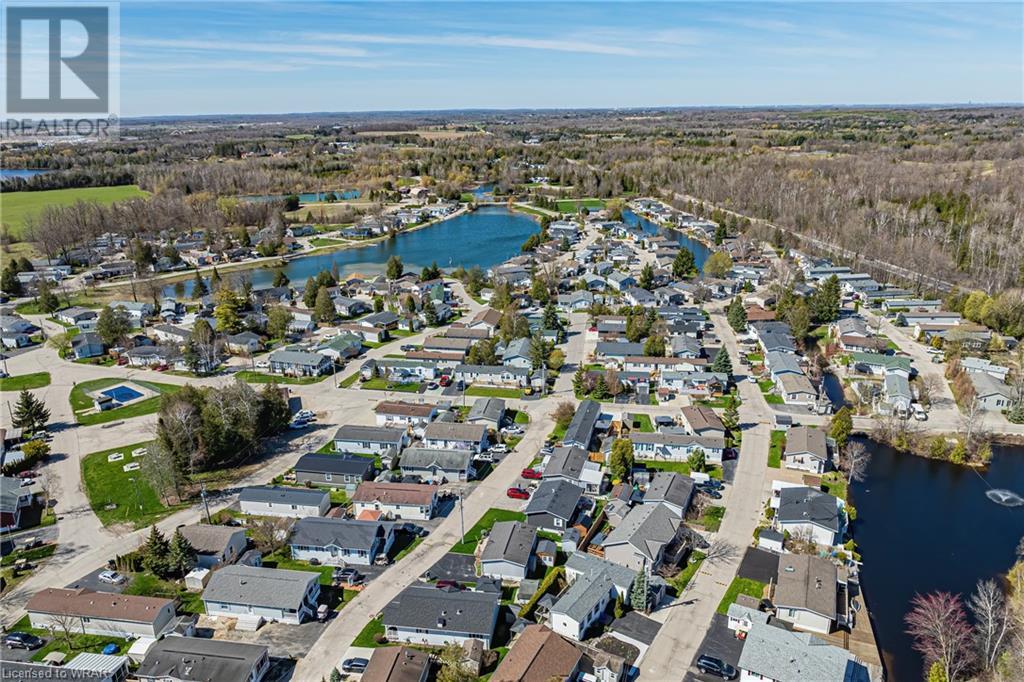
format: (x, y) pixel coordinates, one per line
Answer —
(698, 249)
(20, 173)
(485, 237)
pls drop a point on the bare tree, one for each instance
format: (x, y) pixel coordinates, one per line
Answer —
(972, 423)
(941, 633)
(269, 533)
(854, 461)
(64, 625)
(988, 606)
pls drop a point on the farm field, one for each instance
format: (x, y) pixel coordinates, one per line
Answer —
(16, 206)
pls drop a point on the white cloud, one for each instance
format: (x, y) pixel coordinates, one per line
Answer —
(255, 47)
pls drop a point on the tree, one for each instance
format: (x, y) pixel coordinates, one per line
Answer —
(430, 272)
(556, 360)
(291, 202)
(646, 280)
(34, 451)
(697, 460)
(938, 624)
(720, 233)
(638, 597)
(156, 553)
(540, 351)
(378, 303)
(483, 353)
(323, 310)
(731, 416)
(199, 288)
(600, 390)
(430, 312)
(48, 301)
(722, 364)
(854, 459)
(113, 325)
(216, 281)
(30, 413)
(60, 343)
(799, 319)
(278, 321)
(992, 622)
(227, 312)
(452, 669)
(737, 315)
(841, 427)
(563, 414)
(826, 301)
(395, 267)
(280, 279)
(620, 462)
(578, 380)
(718, 265)
(550, 319)
(9, 282)
(683, 265)
(181, 556)
(655, 346)
(309, 292)
(269, 533)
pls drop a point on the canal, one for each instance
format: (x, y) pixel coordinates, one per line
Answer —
(485, 237)
(698, 249)
(925, 525)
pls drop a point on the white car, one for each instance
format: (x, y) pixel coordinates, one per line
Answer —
(498, 449)
(111, 578)
(751, 378)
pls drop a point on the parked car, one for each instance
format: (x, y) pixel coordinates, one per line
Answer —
(354, 665)
(445, 381)
(305, 414)
(110, 649)
(709, 665)
(518, 493)
(713, 483)
(531, 473)
(498, 449)
(432, 385)
(408, 347)
(111, 578)
(347, 575)
(23, 640)
(751, 378)
(445, 584)
(919, 413)
(322, 612)
(711, 492)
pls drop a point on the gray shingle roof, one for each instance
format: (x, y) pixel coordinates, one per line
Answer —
(581, 428)
(669, 486)
(589, 564)
(583, 595)
(200, 659)
(455, 431)
(809, 439)
(282, 495)
(426, 458)
(807, 582)
(567, 462)
(257, 586)
(432, 609)
(510, 541)
(558, 498)
(778, 654)
(345, 533)
(491, 409)
(334, 464)
(647, 528)
(807, 505)
(297, 357)
(369, 434)
(207, 539)
(637, 626)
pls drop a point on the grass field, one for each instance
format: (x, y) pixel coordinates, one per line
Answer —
(778, 444)
(108, 483)
(573, 205)
(16, 206)
(740, 586)
(683, 578)
(494, 392)
(381, 384)
(486, 522)
(80, 401)
(34, 380)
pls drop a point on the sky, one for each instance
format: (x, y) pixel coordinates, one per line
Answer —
(180, 58)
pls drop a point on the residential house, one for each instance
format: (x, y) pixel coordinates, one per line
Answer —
(339, 542)
(583, 565)
(580, 432)
(339, 471)
(493, 375)
(255, 593)
(371, 334)
(911, 318)
(423, 614)
(350, 307)
(398, 413)
(991, 393)
(170, 333)
(621, 281)
(796, 389)
(385, 319)
(151, 356)
(539, 655)
(344, 346)
(136, 311)
(398, 664)
(880, 365)
(396, 500)
(198, 659)
(14, 497)
(676, 447)
(215, 545)
(299, 363)
(671, 489)
(553, 505)
(74, 315)
(806, 512)
(446, 344)
(700, 420)
(809, 594)
(406, 371)
(807, 449)
(517, 354)
(850, 326)
(100, 613)
(581, 605)
(973, 365)
(896, 394)
(371, 440)
(455, 436)
(87, 345)
(280, 501)
(509, 551)
(245, 343)
(436, 464)
(573, 465)
(488, 412)
(775, 654)
(487, 319)
(864, 344)
(617, 351)
(642, 537)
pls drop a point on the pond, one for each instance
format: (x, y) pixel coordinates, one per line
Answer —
(484, 237)
(925, 525)
(698, 249)
(25, 173)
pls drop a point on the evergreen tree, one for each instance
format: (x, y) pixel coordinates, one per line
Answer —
(539, 351)
(722, 363)
(646, 277)
(280, 279)
(227, 312)
(655, 346)
(697, 460)
(378, 303)
(620, 461)
(737, 315)
(395, 267)
(278, 321)
(9, 282)
(430, 312)
(600, 391)
(550, 319)
(113, 325)
(215, 280)
(199, 288)
(638, 598)
(156, 553)
(323, 310)
(48, 301)
(731, 416)
(181, 555)
(30, 412)
(683, 265)
(826, 301)
(577, 381)
(310, 292)
(799, 320)
(720, 234)
(841, 427)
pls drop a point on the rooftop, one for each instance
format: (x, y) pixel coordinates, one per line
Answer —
(258, 586)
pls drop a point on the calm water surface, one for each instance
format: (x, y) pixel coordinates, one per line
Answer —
(923, 526)
(699, 250)
(20, 172)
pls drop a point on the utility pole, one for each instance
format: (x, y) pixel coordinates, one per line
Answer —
(206, 503)
(462, 520)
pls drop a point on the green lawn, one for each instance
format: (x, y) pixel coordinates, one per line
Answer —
(261, 378)
(80, 643)
(16, 206)
(32, 556)
(740, 586)
(494, 392)
(683, 578)
(521, 417)
(23, 381)
(834, 484)
(80, 400)
(642, 423)
(148, 585)
(282, 558)
(348, 381)
(381, 384)
(661, 465)
(573, 205)
(490, 517)
(366, 637)
(712, 518)
(325, 241)
(778, 445)
(766, 385)
(755, 358)
(107, 483)
(773, 399)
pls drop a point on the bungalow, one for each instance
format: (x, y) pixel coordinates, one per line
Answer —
(580, 432)
(616, 351)
(74, 315)
(298, 363)
(489, 412)
(396, 500)
(254, 593)
(339, 471)
(245, 343)
(699, 420)
(896, 394)
(13, 496)
(806, 449)
(395, 412)
(700, 383)
(879, 365)
(342, 347)
(509, 551)
(572, 465)
(553, 505)
(15, 339)
(683, 346)
(782, 363)
(581, 605)
(638, 296)
(195, 659)
(371, 334)
(455, 436)
(539, 655)
(653, 365)
(373, 440)
(564, 229)
(437, 465)
(170, 333)
(806, 512)
(774, 654)
(338, 542)
(576, 301)
(100, 613)
(676, 446)
(671, 489)
(150, 356)
(973, 365)
(910, 318)
(286, 502)
(809, 594)
(87, 345)
(400, 370)
(456, 332)
(446, 344)
(398, 664)
(640, 540)
(797, 389)
(774, 341)
(493, 375)
(517, 354)
(383, 320)
(215, 545)
(445, 363)
(487, 319)
(621, 280)
(423, 614)
(136, 311)
(863, 344)
(350, 307)
(585, 565)
(991, 393)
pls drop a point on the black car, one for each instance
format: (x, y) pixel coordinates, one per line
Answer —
(709, 665)
(711, 492)
(348, 575)
(354, 665)
(713, 483)
(23, 640)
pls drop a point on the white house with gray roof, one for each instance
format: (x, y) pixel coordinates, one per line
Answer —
(676, 447)
(298, 363)
(581, 605)
(509, 551)
(285, 502)
(642, 536)
(423, 614)
(573, 465)
(455, 436)
(808, 512)
(671, 489)
(807, 449)
(253, 593)
(337, 542)
(435, 464)
(582, 565)
(372, 440)
(553, 505)
(774, 654)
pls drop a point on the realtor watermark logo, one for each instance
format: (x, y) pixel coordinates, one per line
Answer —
(62, 75)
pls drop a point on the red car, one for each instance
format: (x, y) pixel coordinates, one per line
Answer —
(441, 584)
(518, 493)
(531, 473)
(445, 380)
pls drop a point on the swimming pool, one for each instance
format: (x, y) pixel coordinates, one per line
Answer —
(122, 394)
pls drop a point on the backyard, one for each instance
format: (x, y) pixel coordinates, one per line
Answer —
(72, 645)
(118, 496)
(486, 522)
(251, 377)
(775, 450)
(494, 392)
(82, 402)
(740, 586)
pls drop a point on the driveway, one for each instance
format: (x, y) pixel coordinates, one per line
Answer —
(91, 581)
(719, 642)
(461, 567)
